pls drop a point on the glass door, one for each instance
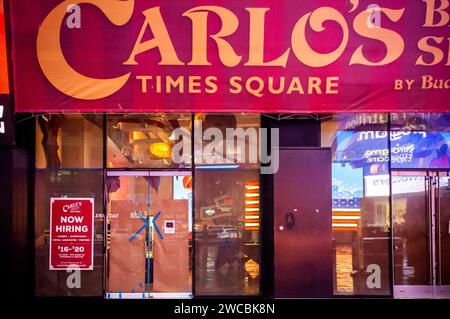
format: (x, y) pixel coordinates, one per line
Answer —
(421, 208)
(443, 235)
(149, 234)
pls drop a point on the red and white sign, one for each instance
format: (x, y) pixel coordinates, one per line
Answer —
(71, 233)
(255, 56)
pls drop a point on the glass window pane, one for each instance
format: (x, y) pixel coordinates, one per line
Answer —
(431, 122)
(146, 140)
(361, 211)
(420, 140)
(410, 229)
(227, 232)
(226, 139)
(67, 183)
(69, 141)
(443, 224)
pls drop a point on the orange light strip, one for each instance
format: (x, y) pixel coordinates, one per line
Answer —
(251, 206)
(252, 213)
(345, 228)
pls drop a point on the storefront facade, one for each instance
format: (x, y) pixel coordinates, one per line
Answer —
(347, 100)
(384, 220)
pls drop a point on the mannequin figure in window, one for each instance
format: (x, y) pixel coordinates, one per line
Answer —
(50, 145)
(112, 186)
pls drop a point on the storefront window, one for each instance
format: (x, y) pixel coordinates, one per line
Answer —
(227, 214)
(361, 209)
(69, 141)
(437, 122)
(67, 184)
(145, 140)
(227, 139)
(420, 140)
(227, 225)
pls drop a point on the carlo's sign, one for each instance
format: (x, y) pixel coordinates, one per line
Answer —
(262, 56)
(71, 234)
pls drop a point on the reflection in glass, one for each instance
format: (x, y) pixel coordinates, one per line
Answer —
(227, 221)
(410, 230)
(69, 141)
(226, 139)
(144, 140)
(360, 188)
(430, 122)
(443, 229)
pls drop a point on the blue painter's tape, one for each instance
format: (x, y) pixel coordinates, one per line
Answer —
(156, 227)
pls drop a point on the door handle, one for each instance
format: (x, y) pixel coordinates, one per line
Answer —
(290, 220)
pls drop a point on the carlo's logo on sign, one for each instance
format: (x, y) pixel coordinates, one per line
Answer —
(69, 81)
(72, 208)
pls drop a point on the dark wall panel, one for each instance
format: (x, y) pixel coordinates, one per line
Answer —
(303, 247)
(14, 221)
(296, 132)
